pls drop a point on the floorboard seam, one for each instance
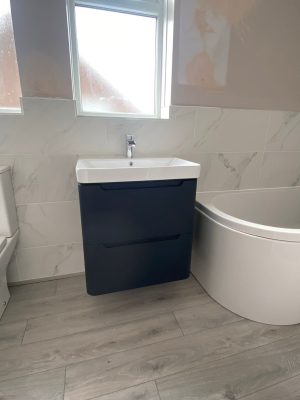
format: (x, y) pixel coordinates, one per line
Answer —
(91, 308)
(138, 347)
(87, 360)
(104, 327)
(179, 326)
(24, 332)
(201, 366)
(269, 387)
(123, 351)
(120, 390)
(176, 327)
(64, 391)
(205, 364)
(108, 354)
(56, 287)
(198, 283)
(157, 390)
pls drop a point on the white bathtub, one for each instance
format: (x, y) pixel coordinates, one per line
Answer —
(246, 252)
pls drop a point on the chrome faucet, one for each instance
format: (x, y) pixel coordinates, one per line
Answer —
(130, 143)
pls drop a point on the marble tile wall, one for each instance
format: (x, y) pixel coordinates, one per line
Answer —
(238, 149)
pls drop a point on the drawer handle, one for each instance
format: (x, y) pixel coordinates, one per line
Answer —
(141, 185)
(135, 242)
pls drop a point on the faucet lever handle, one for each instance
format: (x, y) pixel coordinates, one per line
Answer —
(130, 144)
(130, 140)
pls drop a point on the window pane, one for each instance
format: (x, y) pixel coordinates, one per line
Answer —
(117, 58)
(10, 91)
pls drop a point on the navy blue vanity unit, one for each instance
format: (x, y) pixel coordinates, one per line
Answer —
(136, 233)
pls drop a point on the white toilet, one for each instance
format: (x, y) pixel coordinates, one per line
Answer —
(8, 231)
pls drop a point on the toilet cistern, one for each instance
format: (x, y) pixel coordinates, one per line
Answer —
(130, 144)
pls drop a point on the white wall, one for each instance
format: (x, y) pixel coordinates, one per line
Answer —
(237, 149)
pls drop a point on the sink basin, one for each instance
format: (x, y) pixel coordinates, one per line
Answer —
(134, 170)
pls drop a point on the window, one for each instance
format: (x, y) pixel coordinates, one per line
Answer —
(118, 51)
(10, 90)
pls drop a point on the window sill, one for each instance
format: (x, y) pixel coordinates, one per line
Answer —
(164, 115)
(11, 111)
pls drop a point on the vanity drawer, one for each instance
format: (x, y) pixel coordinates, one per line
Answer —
(111, 268)
(118, 212)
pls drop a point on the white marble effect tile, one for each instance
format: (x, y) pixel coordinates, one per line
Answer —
(284, 131)
(35, 131)
(224, 130)
(50, 126)
(228, 171)
(45, 179)
(7, 160)
(280, 169)
(44, 262)
(47, 224)
(84, 135)
(155, 137)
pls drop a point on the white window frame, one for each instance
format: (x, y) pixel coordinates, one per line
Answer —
(164, 12)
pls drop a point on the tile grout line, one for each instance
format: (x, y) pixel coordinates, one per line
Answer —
(46, 202)
(46, 279)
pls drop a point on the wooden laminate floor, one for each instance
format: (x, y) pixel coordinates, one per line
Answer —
(165, 342)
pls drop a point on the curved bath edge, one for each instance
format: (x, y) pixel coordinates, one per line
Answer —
(254, 276)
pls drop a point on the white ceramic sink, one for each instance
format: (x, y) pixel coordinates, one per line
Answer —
(133, 170)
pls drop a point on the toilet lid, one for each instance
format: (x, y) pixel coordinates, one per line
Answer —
(2, 243)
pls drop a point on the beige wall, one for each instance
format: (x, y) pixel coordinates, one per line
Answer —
(260, 58)
(41, 36)
(254, 43)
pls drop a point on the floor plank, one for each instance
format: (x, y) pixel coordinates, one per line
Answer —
(287, 390)
(45, 355)
(119, 371)
(147, 391)
(11, 334)
(115, 346)
(74, 284)
(110, 310)
(33, 291)
(234, 377)
(210, 315)
(69, 302)
(45, 386)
